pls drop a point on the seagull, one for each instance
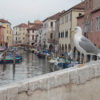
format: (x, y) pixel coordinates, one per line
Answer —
(83, 44)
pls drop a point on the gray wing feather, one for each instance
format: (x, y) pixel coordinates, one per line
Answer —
(88, 46)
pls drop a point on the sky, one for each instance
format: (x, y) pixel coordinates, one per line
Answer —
(22, 11)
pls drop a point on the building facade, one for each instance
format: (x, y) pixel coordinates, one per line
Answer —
(50, 31)
(7, 32)
(90, 21)
(2, 29)
(67, 23)
(32, 33)
(19, 34)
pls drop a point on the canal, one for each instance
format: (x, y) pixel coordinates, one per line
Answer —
(30, 67)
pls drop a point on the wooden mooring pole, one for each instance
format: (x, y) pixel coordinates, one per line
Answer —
(14, 64)
(14, 59)
(4, 59)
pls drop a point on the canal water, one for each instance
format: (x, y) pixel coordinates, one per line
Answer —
(30, 67)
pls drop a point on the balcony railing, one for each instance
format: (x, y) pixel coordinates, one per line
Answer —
(52, 41)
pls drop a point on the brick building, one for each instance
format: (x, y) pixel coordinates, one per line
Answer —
(90, 21)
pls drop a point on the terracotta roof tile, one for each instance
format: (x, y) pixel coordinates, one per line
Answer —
(79, 6)
(35, 27)
(22, 25)
(4, 21)
(38, 22)
(56, 16)
(95, 10)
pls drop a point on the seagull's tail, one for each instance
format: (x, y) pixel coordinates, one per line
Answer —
(98, 54)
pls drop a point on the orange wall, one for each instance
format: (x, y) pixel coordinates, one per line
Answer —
(1, 35)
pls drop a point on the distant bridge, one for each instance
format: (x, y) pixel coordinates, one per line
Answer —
(23, 45)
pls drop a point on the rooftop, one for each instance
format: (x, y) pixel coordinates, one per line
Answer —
(22, 25)
(55, 16)
(80, 6)
(95, 10)
(4, 21)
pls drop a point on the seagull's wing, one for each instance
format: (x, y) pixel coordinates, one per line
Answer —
(88, 46)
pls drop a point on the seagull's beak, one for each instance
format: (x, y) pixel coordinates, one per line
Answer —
(72, 31)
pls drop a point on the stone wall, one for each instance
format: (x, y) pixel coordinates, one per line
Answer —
(69, 84)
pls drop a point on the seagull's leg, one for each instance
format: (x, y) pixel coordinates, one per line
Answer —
(83, 62)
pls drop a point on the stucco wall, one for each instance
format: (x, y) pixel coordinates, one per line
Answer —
(69, 84)
(96, 3)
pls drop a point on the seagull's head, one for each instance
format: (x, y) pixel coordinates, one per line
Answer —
(78, 30)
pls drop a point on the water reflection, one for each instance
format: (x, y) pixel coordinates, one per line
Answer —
(30, 67)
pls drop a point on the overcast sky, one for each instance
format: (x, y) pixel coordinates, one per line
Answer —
(20, 11)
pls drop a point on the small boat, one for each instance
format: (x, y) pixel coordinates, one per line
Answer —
(41, 55)
(27, 49)
(9, 60)
(2, 49)
(68, 64)
(19, 56)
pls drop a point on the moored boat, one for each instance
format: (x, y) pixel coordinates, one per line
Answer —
(10, 60)
(41, 55)
(2, 49)
(19, 56)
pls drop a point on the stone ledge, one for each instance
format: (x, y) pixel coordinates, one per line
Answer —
(73, 75)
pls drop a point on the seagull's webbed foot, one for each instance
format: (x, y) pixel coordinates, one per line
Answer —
(83, 63)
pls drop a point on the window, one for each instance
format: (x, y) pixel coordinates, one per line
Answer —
(51, 36)
(62, 34)
(87, 27)
(80, 14)
(63, 20)
(51, 24)
(66, 34)
(59, 35)
(98, 23)
(92, 25)
(33, 31)
(69, 47)
(16, 33)
(7, 31)
(32, 37)
(62, 47)
(66, 18)
(70, 16)
(16, 38)
(86, 5)
(66, 47)
(90, 4)
(7, 38)
(7, 26)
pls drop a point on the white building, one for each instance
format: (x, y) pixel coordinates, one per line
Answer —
(19, 34)
(67, 23)
(32, 35)
(49, 32)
